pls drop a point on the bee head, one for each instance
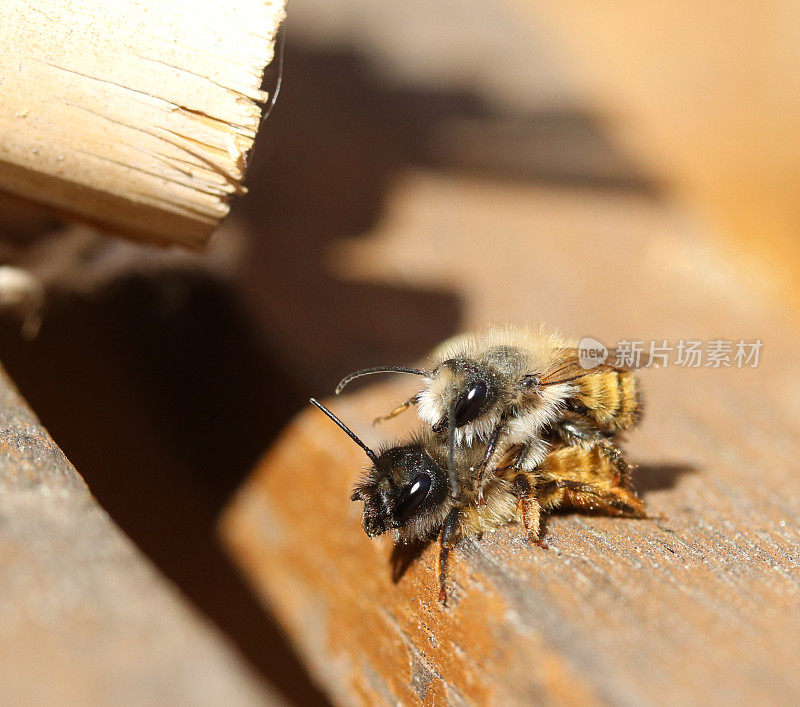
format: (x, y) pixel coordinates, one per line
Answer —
(459, 401)
(460, 388)
(460, 392)
(405, 488)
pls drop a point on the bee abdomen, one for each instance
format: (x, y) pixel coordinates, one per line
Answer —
(612, 399)
(576, 463)
(587, 479)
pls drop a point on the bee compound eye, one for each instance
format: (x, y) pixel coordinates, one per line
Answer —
(469, 404)
(411, 497)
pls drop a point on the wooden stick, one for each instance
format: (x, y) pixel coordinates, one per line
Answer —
(133, 114)
(615, 611)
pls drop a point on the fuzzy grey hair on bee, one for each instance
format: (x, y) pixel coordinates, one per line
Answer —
(513, 386)
(521, 400)
(474, 397)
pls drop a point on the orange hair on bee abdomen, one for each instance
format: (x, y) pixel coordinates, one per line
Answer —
(611, 491)
(611, 398)
(579, 464)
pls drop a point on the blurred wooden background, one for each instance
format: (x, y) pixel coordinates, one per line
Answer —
(705, 96)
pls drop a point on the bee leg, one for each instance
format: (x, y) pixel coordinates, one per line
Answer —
(617, 500)
(529, 509)
(579, 432)
(446, 540)
(620, 468)
(617, 458)
(485, 469)
(402, 407)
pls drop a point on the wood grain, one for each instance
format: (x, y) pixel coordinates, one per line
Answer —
(84, 617)
(703, 606)
(616, 611)
(135, 115)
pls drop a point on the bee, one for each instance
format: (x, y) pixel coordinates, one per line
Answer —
(518, 387)
(407, 490)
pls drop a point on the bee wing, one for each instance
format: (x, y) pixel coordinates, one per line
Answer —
(569, 367)
(626, 360)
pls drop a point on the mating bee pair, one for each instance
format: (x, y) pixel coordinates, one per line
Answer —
(513, 426)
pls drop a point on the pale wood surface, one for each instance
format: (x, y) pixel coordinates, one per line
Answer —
(133, 114)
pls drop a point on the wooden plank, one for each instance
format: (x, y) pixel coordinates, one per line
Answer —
(134, 114)
(702, 606)
(84, 617)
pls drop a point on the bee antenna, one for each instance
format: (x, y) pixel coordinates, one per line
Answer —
(451, 451)
(380, 369)
(352, 435)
